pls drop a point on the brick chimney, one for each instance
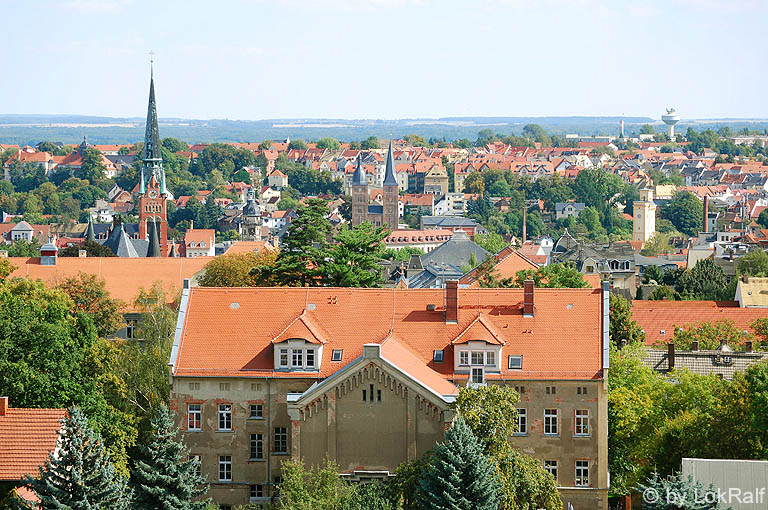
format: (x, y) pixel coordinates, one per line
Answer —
(528, 308)
(3, 406)
(451, 301)
(695, 345)
(749, 346)
(671, 355)
(706, 213)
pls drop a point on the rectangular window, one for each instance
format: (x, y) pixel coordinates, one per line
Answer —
(194, 386)
(477, 358)
(336, 354)
(581, 421)
(257, 411)
(310, 358)
(225, 468)
(256, 491)
(225, 416)
(520, 389)
(283, 357)
(582, 473)
(515, 362)
(550, 466)
(551, 390)
(198, 464)
(130, 328)
(550, 422)
(194, 417)
(490, 358)
(522, 422)
(477, 376)
(281, 440)
(437, 355)
(297, 357)
(257, 446)
(224, 386)
(463, 358)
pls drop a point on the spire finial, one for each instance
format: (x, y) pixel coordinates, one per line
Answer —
(151, 62)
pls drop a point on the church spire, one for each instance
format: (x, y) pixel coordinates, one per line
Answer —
(389, 175)
(359, 178)
(153, 157)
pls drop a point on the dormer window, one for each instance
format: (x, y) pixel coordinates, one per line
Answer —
(515, 362)
(437, 356)
(336, 354)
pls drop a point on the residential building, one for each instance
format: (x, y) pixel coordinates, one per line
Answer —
(752, 292)
(507, 263)
(366, 378)
(424, 240)
(723, 362)
(199, 242)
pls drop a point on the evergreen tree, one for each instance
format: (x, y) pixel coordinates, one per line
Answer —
(164, 477)
(677, 492)
(354, 260)
(461, 476)
(80, 476)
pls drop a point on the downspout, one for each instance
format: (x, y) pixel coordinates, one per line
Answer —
(269, 440)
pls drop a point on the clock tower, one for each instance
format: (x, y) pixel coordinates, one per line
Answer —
(153, 220)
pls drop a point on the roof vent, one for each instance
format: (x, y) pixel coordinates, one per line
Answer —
(431, 307)
(235, 305)
(311, 306)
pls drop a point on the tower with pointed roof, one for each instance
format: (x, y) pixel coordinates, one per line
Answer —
(359, 194)
(390, 214)
(152, 191)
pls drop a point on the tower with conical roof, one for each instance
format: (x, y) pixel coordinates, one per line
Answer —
(391, 213)
(359, 194)
(152, 191)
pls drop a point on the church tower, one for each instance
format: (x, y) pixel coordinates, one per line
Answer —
(391, 210)
(359, 194)
(644, 219)
(152, 192)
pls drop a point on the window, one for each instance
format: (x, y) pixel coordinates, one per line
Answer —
(550, 466)
(297, 357)
(490, 358)
(520, 389)
(283, 357)
(225, 416)
(464, 358)
(224, 386)
(477, 358)
(522, 422)
(255, 386)
(257, 446)
(310, 358)
(257, 411)
(551, 390)
(277, 481)
(582, 473)
(257, 491)
(198, 464)
(550, 422)
(194, 417)
(581, 421)
(581, 390)
(281, 440)
(515, 362)
(477, 376)
(437, 355)
(336, 354)
(130, 328)
(194, 386)
(225, 468)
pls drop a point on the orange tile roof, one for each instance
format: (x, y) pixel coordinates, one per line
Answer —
(198, 235)
(508, 262)
(26, 438)
(653, 317)
(242, 322)
(123, 276)
(249, 247)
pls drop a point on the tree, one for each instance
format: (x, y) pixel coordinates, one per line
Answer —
(705, 281)
(89, 294)
(676, 492)
(561, 275)
(664, 293)
(353, 259)
(710, 334)
(652, 273)
(402, 255)
(461, 477)
(370, 143)
(92, 249)
(368, 496)
(685, 212)
(80, 475)
(241, 175)
(328, 143)
(297, 144)
(164, 476)
(491, 242)
(24, 248)
(622, 329)
(474, 183)
(656, 245)
(312, 489)
(762, 219)
(234, 270)
(92, 168)
(174, 144)
(415, 140)
(754, 263)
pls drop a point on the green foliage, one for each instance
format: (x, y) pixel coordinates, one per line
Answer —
(92, 249)
(369, 496)
(622, 328)
(234, 270)
(676, 492)
(664, 292)
(328, 143)
(320, 488)
(370, 143)
(404, 487)
(307, 181)
(685, 212)
(297, 144)
(754, 263)
(401, 255)
(24, 248)
(163, 475)
(415, 140)
(656, 245)
(705, 281)
(81, 474)
(561, 276)
(762, 218)
(709, 335)
(652, 273)
(461, 477)
(491, 242)
(89, 294)
(353, 259)
(92, 168)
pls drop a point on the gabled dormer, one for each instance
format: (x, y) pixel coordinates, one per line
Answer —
(477, 350)
(299, 347)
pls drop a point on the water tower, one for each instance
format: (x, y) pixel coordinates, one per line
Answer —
(670, 119)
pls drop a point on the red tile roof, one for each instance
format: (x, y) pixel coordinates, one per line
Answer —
(508, 262)
(26, 438)
(229, 332)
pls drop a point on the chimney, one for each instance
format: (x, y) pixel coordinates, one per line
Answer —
(191, 224)
(451, 301)
(82, 254)
(749, 346)
(671, 355)
(695, 345)
(528, 308)
(525, 221)
(706, 213)
(3, 406)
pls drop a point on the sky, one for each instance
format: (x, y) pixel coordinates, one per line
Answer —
(385, 59)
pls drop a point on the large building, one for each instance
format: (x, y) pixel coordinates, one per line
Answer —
(367, 377)
(644, 219)
(386, 213)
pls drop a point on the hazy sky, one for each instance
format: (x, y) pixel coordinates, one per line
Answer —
(257, 59)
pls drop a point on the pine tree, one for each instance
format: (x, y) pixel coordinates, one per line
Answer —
(80, 476)
(164, 477)
(461, 476)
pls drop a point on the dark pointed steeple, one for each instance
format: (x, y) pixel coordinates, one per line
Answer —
(389, 175)
(90, 235)
(154, 241)
(359, 178)
(153, 155)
